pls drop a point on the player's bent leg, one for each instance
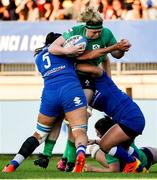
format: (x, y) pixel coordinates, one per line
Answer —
(43, 128)
(110, 143)
(78, 122)
(43, 159)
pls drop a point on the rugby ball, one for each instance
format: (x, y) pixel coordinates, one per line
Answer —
(76, 40)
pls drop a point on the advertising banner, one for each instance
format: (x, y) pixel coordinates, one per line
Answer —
(18, 40)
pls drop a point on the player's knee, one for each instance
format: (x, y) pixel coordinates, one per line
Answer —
(93, 150)
(79, 132)
(82, 127)
(43, 131)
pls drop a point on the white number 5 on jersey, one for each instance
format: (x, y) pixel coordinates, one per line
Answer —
(47, 61)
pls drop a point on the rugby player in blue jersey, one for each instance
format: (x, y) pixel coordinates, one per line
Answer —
(62, 94)
(98, 37)
(127, 115)
(147, 155)
(129, 119)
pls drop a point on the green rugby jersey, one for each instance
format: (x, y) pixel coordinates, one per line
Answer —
(106, 39)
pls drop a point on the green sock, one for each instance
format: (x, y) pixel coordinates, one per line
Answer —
(65, 154)
(48, 148)
(71, 152)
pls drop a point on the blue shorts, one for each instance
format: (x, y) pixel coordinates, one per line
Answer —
(126, 113)
(130, 116)
(60, 98)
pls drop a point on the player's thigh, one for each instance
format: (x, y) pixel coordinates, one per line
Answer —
(88, 93)
(113, 137)
(74, 104)
(50, 103)
(77, 116)
(56, 128)
(46, 120)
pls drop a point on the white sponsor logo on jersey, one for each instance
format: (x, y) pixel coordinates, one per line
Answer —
(69, 30)
(87, 83)
(77, 101)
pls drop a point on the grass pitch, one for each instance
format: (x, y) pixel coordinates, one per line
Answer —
(28, 171)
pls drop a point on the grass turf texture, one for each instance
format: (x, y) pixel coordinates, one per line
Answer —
(28, 171)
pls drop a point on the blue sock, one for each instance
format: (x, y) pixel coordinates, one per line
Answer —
(81, 149)
(133, 152)
(121, 153)
(15, 163)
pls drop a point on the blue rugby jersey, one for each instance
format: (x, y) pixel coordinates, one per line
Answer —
(55, 69)
(62, 90)
(108, 97)
(117, 104)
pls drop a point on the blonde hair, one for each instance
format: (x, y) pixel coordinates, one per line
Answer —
(90, 14)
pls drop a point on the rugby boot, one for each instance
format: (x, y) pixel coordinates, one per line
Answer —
(42, 161)
(9, 168)
(69, 166)
(61, 165)
(80, 162)
(133, 167)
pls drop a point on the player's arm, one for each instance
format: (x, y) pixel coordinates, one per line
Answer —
(111, 168)
(118, 47)
(92, 70)
(100, 157)
(57, 48)
(119, 53)
(124, 45)
(93, 54)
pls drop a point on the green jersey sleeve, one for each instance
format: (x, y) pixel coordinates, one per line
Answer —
(110, 159)
(108, 37)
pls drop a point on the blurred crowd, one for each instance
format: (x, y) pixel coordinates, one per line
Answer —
(34, 10)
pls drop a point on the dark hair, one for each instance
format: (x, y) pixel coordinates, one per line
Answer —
(104, 124)
(50, 38)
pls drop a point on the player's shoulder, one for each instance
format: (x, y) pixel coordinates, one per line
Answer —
(106, 31)
(79, 28)
(75, 30)
(44, 50)
(40, 54)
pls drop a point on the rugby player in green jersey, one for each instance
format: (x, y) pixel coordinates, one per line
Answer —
(98, 37)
